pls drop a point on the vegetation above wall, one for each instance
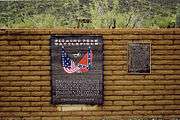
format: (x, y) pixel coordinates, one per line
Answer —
(89, 13)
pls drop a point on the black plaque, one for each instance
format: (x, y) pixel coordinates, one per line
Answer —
(139, 58)
(77, 69)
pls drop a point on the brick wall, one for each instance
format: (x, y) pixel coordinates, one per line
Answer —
(25, 89)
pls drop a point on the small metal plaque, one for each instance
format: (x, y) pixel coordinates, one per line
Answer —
(139, 58)
(77, 69)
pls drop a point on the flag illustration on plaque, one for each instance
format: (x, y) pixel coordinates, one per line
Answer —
(84, 65)
(77, 69)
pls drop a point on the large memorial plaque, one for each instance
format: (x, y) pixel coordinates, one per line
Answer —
(139, 58)
(77, 69)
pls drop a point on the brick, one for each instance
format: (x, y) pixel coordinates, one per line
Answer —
(164, 47)
(165, 57)
(143, 102)
(30, 99)
(9, 58)
(154, 87)
(132, 97)
(142, 112)
(151, 77)
(110, 37)
(119, 42)
(20, 63)
(10, 78)
(5, 104)
(10, 109)
(152, 37)
(30, 47)
(21, 83)
(39, 73)
(50, 118)
(31, 109)
(50, 109)
(113, 77)
(4, 73)
(4, 93)
(143, 92)
(40, 94)
(124, 82)
(39, 53)
(163, 112)
(162, 42)
(32, 118)
(10, 89)
(112, 68)
(114, 58)
(107, 72)
(38, 42)
(4, 48)
(172, 107)
(172, 77)
(153, 97)
(113, 108)
(19, 94)
(151, 107)
(108, 92)
(114, 62)
(101, 113)
(123, 102)
(123, 92)
(30, 68)
(3, 42)
(172, 97)
(4, 52)
(122, 112)
(132, 37)
(164, 102)
(10, 99)
(19, 42)
(143, 82)
(45, 68)
(4, 83)
(163, 92)
(134, 77)
(30, 78)
(30, 89)
(39, 62)
(48, 78)
(70, 118)
(9, 68)
(172, 87)
(119, 72)
(71, 108)
(45, 48)
(132, 107)
(113, 98)
(18, 53)
(107, 42)
(45, 88)
(114, 47)
(106, 103)
(176, 102)
(163, 52)
(41, 104)
(114, 52)
(19, 104)
(40, 83)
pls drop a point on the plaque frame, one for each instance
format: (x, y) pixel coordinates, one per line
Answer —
(102, 72)
(150, 53)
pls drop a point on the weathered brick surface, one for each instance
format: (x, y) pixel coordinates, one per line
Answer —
(25, 86)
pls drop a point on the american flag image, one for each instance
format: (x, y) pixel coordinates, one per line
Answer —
(67, 63)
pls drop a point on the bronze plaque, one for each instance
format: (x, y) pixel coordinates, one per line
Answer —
(139, 57)
(77, 69)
